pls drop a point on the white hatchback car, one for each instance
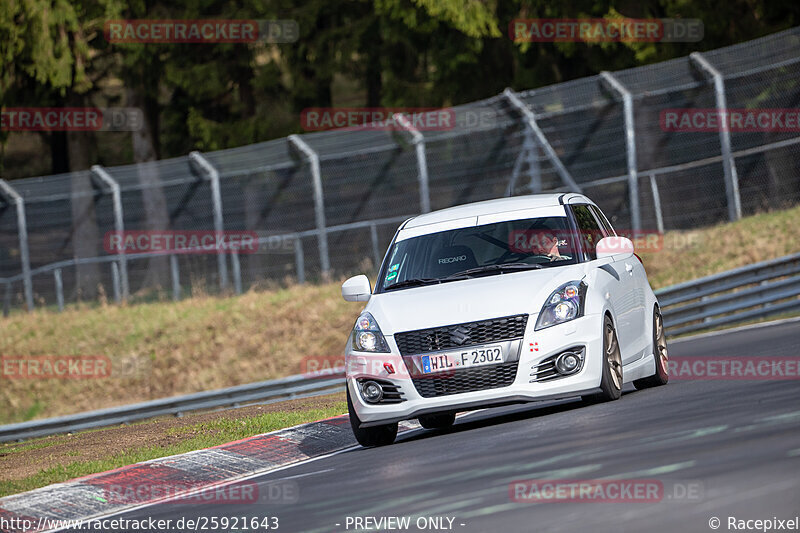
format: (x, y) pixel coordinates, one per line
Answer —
(491, 303)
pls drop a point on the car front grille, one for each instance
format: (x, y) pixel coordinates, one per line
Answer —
(467, 380)
(461, 335)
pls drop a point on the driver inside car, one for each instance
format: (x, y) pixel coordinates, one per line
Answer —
(541, 243)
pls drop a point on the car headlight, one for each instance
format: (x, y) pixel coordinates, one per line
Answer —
(367, 336)
(564, 304)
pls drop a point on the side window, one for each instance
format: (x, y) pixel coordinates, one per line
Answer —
(588, 229)
(606, 225)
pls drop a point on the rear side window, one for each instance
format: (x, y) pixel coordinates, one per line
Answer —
(588, 229)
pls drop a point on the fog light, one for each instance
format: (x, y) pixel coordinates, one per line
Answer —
(567, 363)
(371, 391)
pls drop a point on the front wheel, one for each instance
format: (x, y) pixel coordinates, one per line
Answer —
(661, 377)
(371, 436)
(611, 380)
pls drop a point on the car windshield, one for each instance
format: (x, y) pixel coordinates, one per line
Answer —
(490, 249)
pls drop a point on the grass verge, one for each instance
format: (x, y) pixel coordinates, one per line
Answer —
(41, 462)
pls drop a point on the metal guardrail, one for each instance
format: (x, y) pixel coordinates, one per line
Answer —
(263, 392)
(746, 293)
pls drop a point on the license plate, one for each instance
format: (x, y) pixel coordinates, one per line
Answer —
(470, 357)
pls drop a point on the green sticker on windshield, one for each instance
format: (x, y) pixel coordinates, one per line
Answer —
(392, 272)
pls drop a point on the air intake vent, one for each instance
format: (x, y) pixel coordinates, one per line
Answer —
(467, 380)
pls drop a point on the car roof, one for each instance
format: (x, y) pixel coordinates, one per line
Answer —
(489, 207)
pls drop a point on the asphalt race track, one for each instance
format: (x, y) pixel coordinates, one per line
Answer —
(720, 448)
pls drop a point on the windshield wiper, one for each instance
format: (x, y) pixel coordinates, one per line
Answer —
(413, 282)
(496, 268)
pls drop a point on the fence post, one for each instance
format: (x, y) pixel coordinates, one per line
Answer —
(119, 224)
(319, 201)
(728, 161)
(176, 277)
(630, 141)
(59, 289)
(212, 175)
(530, 120)
(418, 140)
(376, 254)
(237, 272)
(299, 260)
(657, 203)
(7, 299)
(10, 196)
(528, 155)
(115, 280)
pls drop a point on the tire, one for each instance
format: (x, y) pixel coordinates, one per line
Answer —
(611, 380)
(372, 436)
(439, 421)
(661, 377)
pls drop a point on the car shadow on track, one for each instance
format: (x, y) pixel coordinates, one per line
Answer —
(502, 415)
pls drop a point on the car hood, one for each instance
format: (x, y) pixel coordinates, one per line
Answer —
(469, 300)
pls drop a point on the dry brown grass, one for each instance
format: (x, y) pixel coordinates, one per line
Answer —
(205, 343)
(688, 255)
(164, 349)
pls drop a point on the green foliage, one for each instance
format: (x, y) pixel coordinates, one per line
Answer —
(50, 43)
(473, 18)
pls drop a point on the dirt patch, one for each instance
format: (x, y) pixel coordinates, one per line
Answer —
(20, 460)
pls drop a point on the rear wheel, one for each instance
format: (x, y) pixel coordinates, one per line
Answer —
(438, 421)
(661, 377)
(371, 436)
(611, 380)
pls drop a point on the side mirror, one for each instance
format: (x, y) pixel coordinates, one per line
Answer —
(614, 246)
(357, 289)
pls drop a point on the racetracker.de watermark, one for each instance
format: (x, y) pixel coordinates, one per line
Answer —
(386, 365)
(599, 30)
(396, 118)
(324, 366)
(71, 119)
(603, 490)
(734, 120)
(180, 242)
(74, 367)
(198, 31)
(243, 492)
(565, 241)
(759, 368)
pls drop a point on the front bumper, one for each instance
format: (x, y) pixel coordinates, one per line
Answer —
(535, 347)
